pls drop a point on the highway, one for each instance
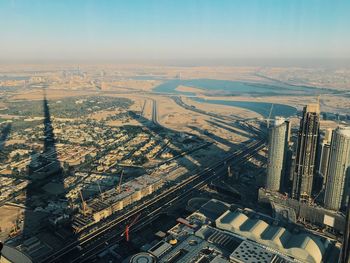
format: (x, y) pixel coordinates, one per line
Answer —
(180, 102)
(254, 130)
(94, 242)
(143, 108)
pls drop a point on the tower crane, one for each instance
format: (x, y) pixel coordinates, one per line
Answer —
(83, 203)
(229, 172)
(99, 188)
(269, 117)
(120, 182)
(127, 228)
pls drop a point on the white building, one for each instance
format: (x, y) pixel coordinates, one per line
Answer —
(277, 150)
(338, 175)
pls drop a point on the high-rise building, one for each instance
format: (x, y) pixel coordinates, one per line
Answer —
(323, 153)
(278, 143)
(328, 135)
(337, 186)
(324, 159)
(306, 152)
(345, 253)
(289, 169)
(289, 132)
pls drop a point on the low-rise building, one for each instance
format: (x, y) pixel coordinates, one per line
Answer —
(216, 234)
(115, 200)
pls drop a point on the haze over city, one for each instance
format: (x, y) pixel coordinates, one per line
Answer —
(174, 131)
(173, 30)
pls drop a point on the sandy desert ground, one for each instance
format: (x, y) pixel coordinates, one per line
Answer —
(170, 114)
(8, 216)
(174, 117)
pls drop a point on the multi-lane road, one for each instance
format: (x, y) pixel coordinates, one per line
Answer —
(88, 246)
(179, 101)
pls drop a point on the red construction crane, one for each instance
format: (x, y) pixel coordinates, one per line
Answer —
(127, 228)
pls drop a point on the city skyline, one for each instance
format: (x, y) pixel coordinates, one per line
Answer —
(174, 131)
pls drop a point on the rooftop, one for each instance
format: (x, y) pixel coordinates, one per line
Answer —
(218, 235)
(345, 131)
(315, 107)
(305, 247)
(10, 254)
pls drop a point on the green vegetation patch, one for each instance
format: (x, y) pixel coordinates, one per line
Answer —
(68, 107)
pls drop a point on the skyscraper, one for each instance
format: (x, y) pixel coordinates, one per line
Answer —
(337, 186)
(328, 135)
(323, 157)
(278, 141)
(289, 132)
(325, 150)
(306, 152)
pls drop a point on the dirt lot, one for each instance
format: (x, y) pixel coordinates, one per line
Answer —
(8, 216)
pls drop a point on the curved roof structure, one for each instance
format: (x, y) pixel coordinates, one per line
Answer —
(304, 247)
(278, 235)
(143, 257)
(10, 254)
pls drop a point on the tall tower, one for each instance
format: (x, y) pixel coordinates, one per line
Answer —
(306, 152)
(323, 156)
(278, 141)
(328, 135)
(337, 186)
(345, 253)
(323, 171)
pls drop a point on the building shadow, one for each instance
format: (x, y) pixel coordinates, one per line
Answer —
(213, 136)
(224, 126)
(157, 130)
(46, 221)
(234, 124)
(4, 134)
(194, 162)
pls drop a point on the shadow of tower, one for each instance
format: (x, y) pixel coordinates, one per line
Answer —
(4, 134)
(43, 170)
(45, 203)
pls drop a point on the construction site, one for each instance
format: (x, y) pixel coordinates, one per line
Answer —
(311, 215)
(94, 210)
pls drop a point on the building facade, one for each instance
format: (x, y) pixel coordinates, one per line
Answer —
(306, 152)
(323, 156)
(323, 171)
(337, 186)
(278, 143)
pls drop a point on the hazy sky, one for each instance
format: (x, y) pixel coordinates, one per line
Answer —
(174, 29)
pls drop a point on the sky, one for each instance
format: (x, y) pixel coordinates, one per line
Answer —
(174, 29)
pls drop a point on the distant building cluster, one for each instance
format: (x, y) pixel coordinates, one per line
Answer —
(319, 163)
